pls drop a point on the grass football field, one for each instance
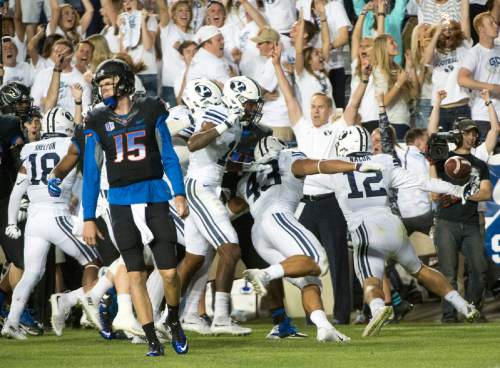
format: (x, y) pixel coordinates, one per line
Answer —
(406, 345)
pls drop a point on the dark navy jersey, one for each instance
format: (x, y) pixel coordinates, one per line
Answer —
(129, 142)
(10, 131)
(138, 151)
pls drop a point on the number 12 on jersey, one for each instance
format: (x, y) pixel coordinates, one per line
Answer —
(371, 179)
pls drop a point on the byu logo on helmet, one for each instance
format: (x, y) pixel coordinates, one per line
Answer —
(238, 86)
(203, 91)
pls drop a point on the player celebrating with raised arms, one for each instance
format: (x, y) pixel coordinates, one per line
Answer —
(377, 234)
(273, 195)
(217, 133)
(138, 149)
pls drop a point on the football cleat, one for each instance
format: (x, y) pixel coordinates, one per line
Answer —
(91, 311)
(29, 325)
(229, 327)
(196, 324)
(285, 330)
(259, 280)
(155, 349)
(59, 313)
(179, 341)
(10, 332)
(377, 321)
(105, 319)
(331, 334)
(127, 324)
(471, 313)
(401, 310)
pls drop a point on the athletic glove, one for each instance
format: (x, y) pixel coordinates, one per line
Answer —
(12, 231)
(255, 167)
(369, 166)
(54, 188)
(471, 188)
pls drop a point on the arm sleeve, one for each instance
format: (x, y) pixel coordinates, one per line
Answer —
(398, 12)
(16, 195)
(402, 178)
(92, 164)
(169, 158)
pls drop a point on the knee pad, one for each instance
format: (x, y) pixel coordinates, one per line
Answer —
(302, 282)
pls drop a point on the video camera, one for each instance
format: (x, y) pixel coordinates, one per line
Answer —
(438, 144)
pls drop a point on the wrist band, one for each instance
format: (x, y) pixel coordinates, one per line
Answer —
(365, 81)
(381, 106)
(221, 128)
(317, 166)
(57, 70)
(362, 13)
(381, 14)
(78, 102)
(323, 20)
(488, 103)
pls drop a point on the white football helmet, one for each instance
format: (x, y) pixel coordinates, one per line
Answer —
(240, 90)
(200, 93)
(57, 122)
(268, 147)
(353, 139)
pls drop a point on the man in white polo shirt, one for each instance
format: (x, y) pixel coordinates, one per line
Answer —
(209, 61)
(481, 70)
(316, 137)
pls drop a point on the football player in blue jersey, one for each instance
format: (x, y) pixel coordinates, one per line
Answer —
(131, 134)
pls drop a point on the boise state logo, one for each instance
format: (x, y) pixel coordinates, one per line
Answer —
(203, 91)
(238, 86)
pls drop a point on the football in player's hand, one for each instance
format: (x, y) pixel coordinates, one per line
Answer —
(457, 167)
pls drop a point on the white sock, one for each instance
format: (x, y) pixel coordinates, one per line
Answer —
(275, 271)
(191, 307)
(96, 293)
(375, 305)
(318, 317)
(125, 305)
(457, 301)
(156, 293)
(71, 298)
(221, 308)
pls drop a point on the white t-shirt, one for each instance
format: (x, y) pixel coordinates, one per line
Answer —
(318, 143)
(413, 202)
(23, 73)
(308, 85)
(60, 31)
(485, 67)
(21, 49)
(172, 62)
(65, 99)
(42, 64)
(248, 48)
(207, 65)
(281, 14)
(231, 39)
(136, 51)
(445, 69)
(398, 112)
(112, 39)
(336, 18)
(367, 109)
(274, 113)
(431, 12)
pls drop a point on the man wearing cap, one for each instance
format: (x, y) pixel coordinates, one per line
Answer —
(457, 225)
(274, 111)
(209, 61)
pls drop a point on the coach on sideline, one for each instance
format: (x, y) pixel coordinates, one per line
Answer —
(321, 215)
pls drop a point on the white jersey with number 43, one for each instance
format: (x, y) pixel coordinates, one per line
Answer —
(207, 164)
(39, 158)
(275, 188)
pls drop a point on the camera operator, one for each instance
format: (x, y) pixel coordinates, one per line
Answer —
(457, 225)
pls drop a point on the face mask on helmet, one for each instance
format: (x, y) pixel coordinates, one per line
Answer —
(244, 93)
(353, 140)
(268, 147)
(15, 100)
